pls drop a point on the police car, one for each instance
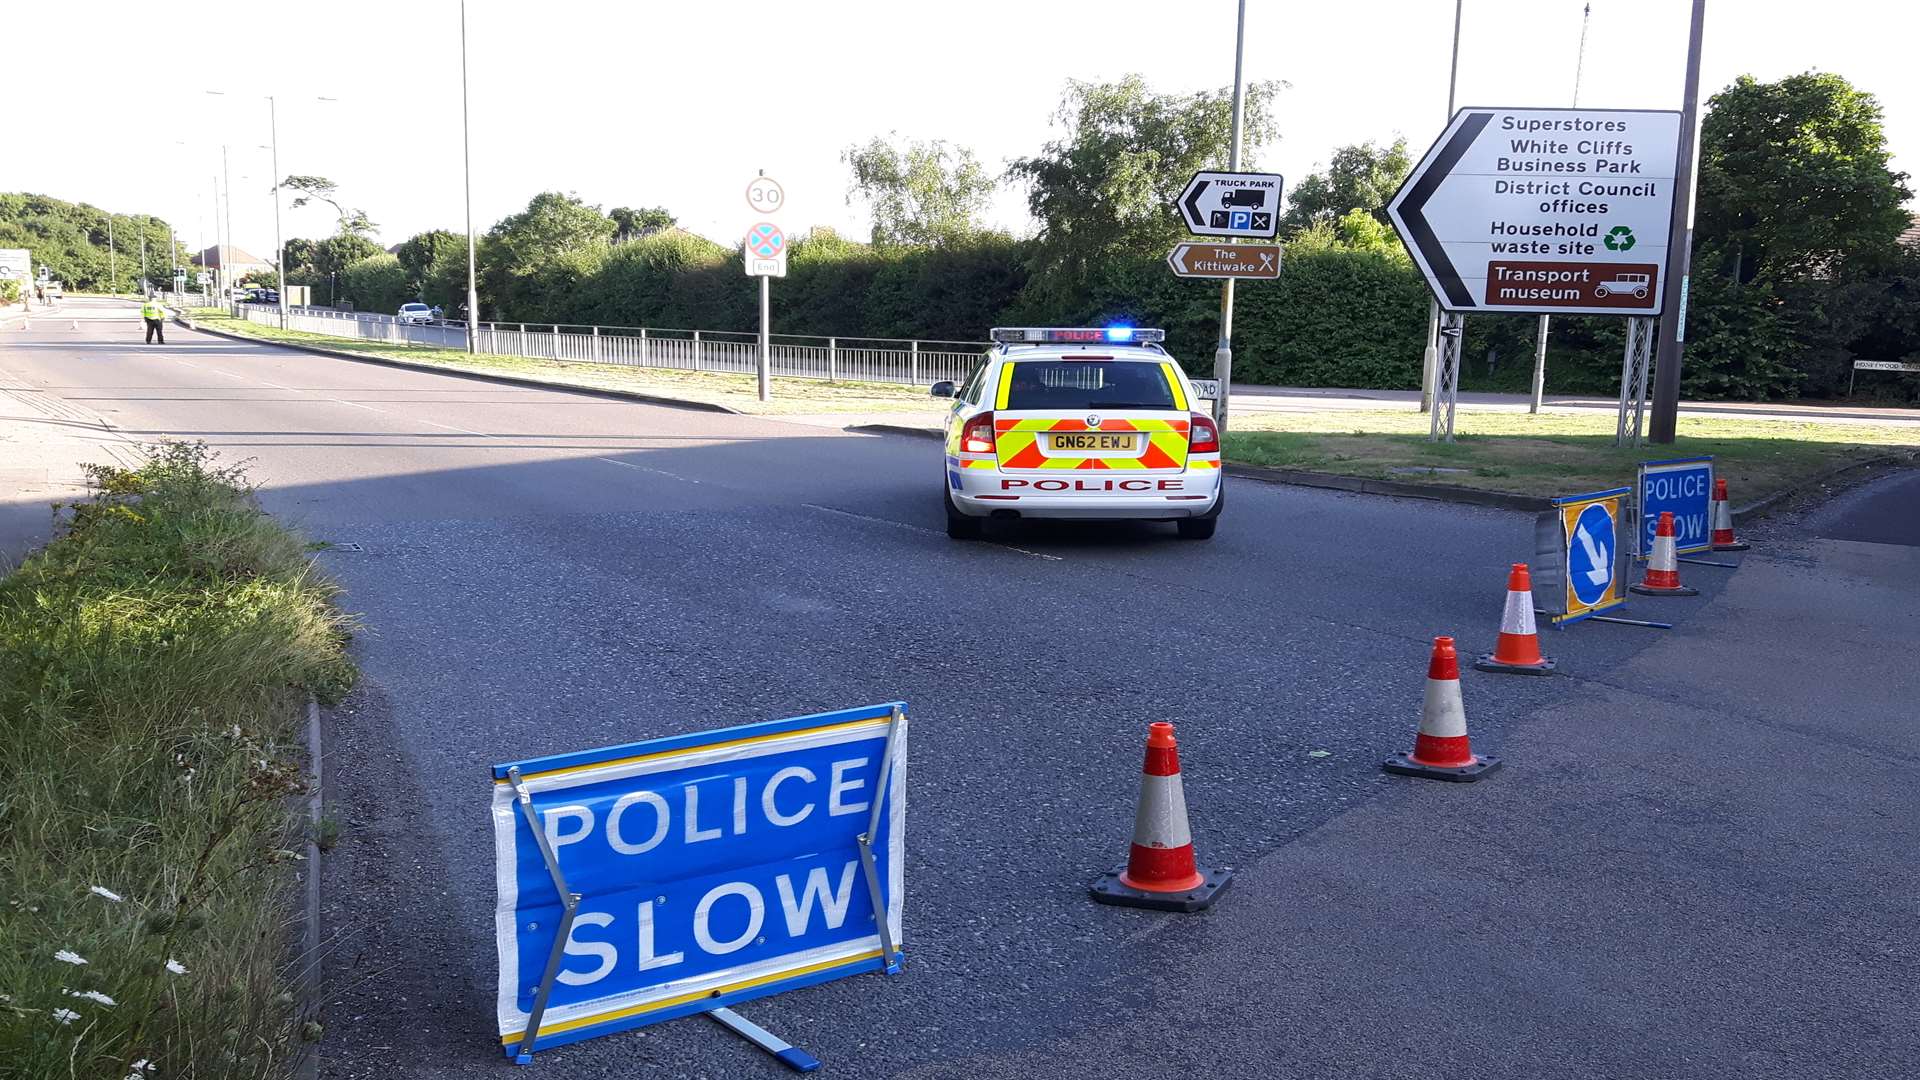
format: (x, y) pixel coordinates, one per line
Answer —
(1088, 423)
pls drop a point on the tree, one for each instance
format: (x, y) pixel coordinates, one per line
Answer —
(436, 266)
(1794, 179)
(351, 222)
(376, 283)
(551, 226)
(920, 193)
(631, 224)
(1107, 185)
(71, 240)
(1360, 177)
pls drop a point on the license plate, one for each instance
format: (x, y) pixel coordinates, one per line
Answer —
(1090, 442)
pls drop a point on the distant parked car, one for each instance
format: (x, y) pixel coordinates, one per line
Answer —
(414, 313)
(53, 290)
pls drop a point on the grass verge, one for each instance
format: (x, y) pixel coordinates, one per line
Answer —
(736, 391)
(1559, 453)
(153, 661)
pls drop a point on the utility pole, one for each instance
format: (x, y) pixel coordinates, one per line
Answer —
(113, 261)
(466, 156)
(279, 245)
(147, 220)
(1223, 353)
(1673, 304)
(1540, 338)
(1430, 359)
(226, 256)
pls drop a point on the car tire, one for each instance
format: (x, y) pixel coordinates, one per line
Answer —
(1201, 528)
(959, 525)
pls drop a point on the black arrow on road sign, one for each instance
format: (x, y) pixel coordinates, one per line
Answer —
(1193, 205)
(1430, 181)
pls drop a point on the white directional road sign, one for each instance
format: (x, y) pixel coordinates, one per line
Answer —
(1547, 211)
(1232, 204)
(16, 263)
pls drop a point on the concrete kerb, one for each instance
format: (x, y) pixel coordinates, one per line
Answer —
(470, 373)
(1501, 500)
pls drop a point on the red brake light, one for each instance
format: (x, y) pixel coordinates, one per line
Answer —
(1203, 437)
(977, 436)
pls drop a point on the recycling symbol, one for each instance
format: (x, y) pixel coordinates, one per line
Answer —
(1619, 238)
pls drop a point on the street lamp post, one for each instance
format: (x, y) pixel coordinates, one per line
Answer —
(113, 260)
(466, 157)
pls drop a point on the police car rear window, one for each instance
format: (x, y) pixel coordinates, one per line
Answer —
(1087, 384)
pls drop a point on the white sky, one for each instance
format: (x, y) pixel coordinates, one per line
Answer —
(675, 104)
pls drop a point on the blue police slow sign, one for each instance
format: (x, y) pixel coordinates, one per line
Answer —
(701, 870)
(1683, 486)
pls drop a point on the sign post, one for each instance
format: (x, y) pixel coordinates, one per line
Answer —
(686, 874)
(765, 253)
(1542, 211)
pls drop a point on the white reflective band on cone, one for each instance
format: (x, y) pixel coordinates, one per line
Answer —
(1518, 618)
(1663, 557)
(1161, 819)
(1722, 516)
(1445, 716)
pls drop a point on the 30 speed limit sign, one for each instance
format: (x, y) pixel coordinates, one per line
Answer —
(765, 195)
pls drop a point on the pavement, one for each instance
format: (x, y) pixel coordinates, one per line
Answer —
(1250, 398)
(1698, 861)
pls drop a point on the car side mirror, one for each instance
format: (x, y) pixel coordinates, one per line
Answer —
(943, 388)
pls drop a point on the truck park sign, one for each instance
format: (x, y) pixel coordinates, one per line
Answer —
(1544, 211)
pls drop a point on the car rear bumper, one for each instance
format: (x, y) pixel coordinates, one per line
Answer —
(1113, 495)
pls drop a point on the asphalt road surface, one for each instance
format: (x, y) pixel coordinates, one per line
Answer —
(1698, 862)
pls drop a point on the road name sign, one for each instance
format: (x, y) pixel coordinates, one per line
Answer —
(1206, 389)
(1544, 211)
(1883, 365)
(1256, 261)
(766, 250)
(1683, 486)
(1232, 204)
(1577, 562)
(653, 880)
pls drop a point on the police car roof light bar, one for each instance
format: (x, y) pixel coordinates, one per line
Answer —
(1077, 335)
(570, 900)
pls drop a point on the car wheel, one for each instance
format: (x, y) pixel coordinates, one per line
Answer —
(1201, 528)
(959, 525)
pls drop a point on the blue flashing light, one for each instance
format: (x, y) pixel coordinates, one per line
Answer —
(1119, 333)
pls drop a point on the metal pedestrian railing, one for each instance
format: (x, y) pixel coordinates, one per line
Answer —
(843, 359)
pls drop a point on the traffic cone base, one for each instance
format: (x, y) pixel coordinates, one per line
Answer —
(1645, 589)
(1404, 763)
(1492, 662)
(1113, 888)
(1737, 545)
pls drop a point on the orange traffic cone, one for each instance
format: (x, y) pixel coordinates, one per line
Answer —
(1663, 565)
(1723, 538)
(1442, 751)
(1160, 871)
(1518, 650)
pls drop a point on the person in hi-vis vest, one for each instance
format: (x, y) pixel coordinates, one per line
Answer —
(156, 316)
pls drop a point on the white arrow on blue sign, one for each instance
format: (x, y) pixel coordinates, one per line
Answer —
(1590, 559)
